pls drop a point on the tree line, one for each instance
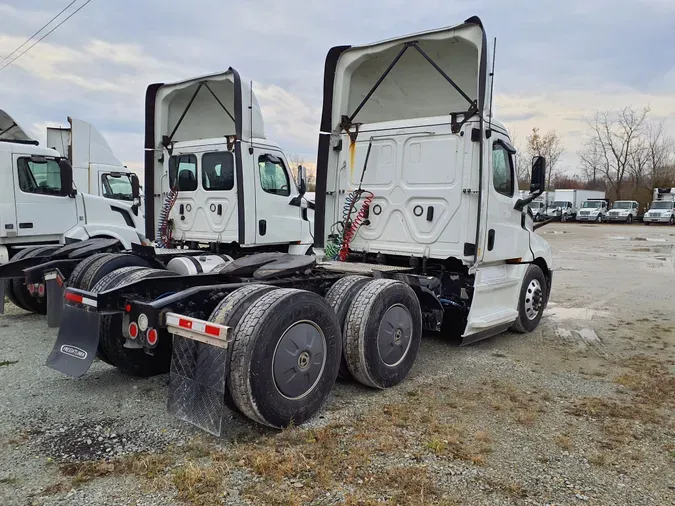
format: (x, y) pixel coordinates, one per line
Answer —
(627, 154)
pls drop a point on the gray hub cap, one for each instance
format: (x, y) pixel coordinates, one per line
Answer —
(394, 335)
(299, 360)
(534, 298)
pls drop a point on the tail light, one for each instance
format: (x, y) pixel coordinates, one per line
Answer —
(153, 336)
(41, 290)
(133, 330)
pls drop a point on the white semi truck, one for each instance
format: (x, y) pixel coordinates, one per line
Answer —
(662, 208)
(567, 203)
(42, 208)
(96, 169)
(626, 211)
(194, 180)
(418, 225)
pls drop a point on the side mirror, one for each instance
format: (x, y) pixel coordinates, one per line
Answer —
(66, 172)
(302, 180)
(135, 187)
(538, 179)
(537, 182)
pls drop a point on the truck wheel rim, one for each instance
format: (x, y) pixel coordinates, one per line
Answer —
(299, 360)
(394, 335)
(533, 299)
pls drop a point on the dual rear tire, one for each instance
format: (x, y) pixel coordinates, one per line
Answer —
(289, 345)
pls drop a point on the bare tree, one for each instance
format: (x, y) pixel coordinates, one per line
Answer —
(548, 145)
(591, 161)
(617, 140)
(660, 154)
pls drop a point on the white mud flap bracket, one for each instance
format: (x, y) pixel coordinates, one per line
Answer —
(199, 368)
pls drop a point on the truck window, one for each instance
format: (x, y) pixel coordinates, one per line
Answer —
(218, 171)
(39, 177)
(502, 172)
(183, 172)
(117, 186)
(273, 176)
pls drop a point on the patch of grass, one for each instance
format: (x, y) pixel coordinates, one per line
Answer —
(563, 442)
(4, 363)
(201, 484)
(527, 418)
(146, 465)
(599, 459)
(483, 437)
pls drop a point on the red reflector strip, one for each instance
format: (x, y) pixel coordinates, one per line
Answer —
(73, 297)
(212, 330)
(198, 330)
(79, 299)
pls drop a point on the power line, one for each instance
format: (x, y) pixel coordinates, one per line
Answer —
(45, 35)
(43, 27)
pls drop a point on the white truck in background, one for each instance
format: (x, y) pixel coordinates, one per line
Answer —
(96, 169)
(625, 211)
(40, 206)
(595, 210)
(540, 204)
(566, 203)
(662, 208)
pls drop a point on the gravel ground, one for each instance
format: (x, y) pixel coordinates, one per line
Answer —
(579, 411)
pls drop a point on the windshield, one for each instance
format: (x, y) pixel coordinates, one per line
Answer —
(117, 186)
(558, 204)
(661, 205)
(591, 205)
(622, 205)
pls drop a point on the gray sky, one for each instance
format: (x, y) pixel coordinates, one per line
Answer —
(557, 62)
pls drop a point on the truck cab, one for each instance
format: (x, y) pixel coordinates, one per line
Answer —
(215, 177)
(593, 210)
(561, 210)
(42, 205)
(662, 208)
(625, 211)
(538, 208)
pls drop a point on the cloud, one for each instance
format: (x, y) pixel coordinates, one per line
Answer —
(557, 63)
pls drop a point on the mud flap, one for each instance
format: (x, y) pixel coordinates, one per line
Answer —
(76, 345)
(197, 383)
(55, 289)
(2, 296)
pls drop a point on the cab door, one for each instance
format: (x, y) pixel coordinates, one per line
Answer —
(42, 207)
(506, 238)
(278, 220)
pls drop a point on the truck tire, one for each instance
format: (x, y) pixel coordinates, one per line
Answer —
(9, 285)
(383, 333)
(19, 290)
(105, 282)
(532, 300)
(284, 331)
(229, 312)
(107, 264)
(340, 297)
(75, 278)
(672, 220)
(629, 220)
(134, 362)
